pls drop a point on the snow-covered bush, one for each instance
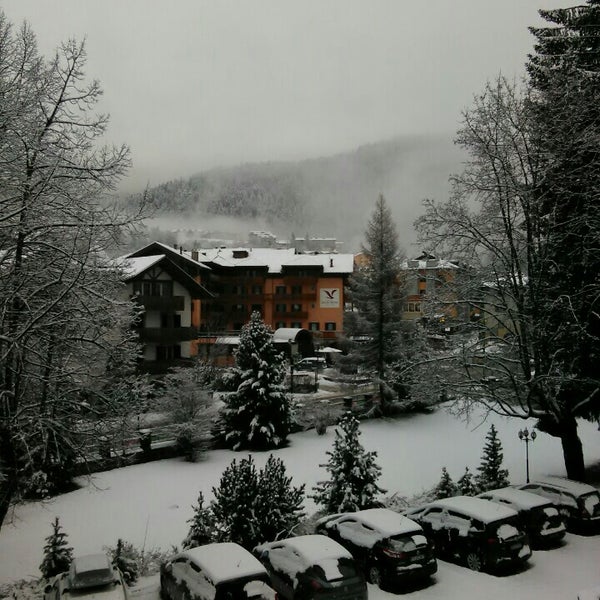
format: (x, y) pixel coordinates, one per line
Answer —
(445, 488)
(57, 553)
(124, 558)
(202, 526)
(189, 441)
(353, 472)
(466, 484)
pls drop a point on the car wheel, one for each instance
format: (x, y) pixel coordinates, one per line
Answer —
(374, 575)
(474, 561)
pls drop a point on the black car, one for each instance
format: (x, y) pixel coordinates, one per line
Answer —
(483, 535)
(311, 567)
(539, 516)
(390, 548)
(579, 503)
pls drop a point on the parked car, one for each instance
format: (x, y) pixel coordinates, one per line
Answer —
(541, 519)
(312, 566)
(389, 547)
(90, 575)
(481, 534)
(220, 571)
(578, 503)
(311, 363)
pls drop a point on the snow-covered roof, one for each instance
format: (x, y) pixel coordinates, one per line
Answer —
(134, 266)
(575, 487)
(315, 548)
(285, 334)
(483, 510)
(384, 520)
(275, 259)
(520, 498)
(224, 561)
(228, 340)
(422, 264)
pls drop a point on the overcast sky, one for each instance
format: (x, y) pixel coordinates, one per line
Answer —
(193, 84)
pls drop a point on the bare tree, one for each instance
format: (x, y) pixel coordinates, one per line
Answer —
(65, 339)
(495, 221)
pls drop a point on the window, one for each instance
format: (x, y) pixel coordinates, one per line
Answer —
(257, 290)
(153, 288)
(239, 307)
(280, 325)
(280, 290)
(313, 326)
(168, 352)
(296, 290)
(280, 308)
(329, 326)
(296, 307)
(297, 324)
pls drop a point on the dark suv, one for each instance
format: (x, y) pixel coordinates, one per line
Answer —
(481, 534)
(539, 516)
(578, 503)
(390, 548)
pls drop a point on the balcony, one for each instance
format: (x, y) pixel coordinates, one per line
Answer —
(167, 335)
(162, 303)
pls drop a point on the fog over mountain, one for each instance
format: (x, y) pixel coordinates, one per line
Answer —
(330, 196)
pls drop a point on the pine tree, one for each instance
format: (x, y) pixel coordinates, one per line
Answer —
(491, 474)
(123, 558)
(202, 526)
(57, 553)
(354, 473)
(466, 484)
(377, 296)
(278, 504)
(257, 415)
(234, 504)
(445, 487)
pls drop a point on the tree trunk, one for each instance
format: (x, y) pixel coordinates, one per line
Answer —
(572, 449)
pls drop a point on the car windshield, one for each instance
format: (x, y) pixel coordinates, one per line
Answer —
(87, 579)
(407, 542)
(334, 569)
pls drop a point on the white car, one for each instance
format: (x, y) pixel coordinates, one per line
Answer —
(90, 577)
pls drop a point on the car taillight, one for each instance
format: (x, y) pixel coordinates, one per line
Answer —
(492, 540)
(392, 553)
(315, 585)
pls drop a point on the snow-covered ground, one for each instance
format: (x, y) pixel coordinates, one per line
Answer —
(149, 504)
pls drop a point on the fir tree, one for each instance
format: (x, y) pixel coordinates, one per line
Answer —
(123, 558)
(57, 553)
(278, 504)
(354, 473)
(257, 415)
(234, 504)
(466, 484)
(445, 487)
(202, 526)
(491, 474)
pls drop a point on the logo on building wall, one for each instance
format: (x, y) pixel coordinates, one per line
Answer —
(330, 298)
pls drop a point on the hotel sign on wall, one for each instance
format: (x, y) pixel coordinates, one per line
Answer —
(329, 298)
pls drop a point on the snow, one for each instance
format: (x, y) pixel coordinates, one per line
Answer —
(506, 531)
(519, 498)
(148, 504)
(574, 487)
(225, 561)
(315, 548)
(476, 508)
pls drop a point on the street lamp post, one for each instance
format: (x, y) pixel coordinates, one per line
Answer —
(527, 437)
(291, 343)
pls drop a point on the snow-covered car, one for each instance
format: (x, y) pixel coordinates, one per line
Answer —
(578, 503)
(481, 534)
(390, 547)
(541, 519)
(312, 566)
(90, 577)
(311, 363)
(220, 571)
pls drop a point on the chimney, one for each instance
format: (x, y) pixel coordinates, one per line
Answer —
(180, 249)
(195, 255)
(331, 262)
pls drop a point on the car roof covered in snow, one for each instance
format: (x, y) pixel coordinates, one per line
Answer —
(224, 561)
(568, 485)
(521, 498)
(384, 520)
(480, 509)
(312, 548)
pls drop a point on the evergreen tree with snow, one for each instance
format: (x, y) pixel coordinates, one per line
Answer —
(202, 526)
(278, 504)
(123, 558)
(466, 484)
(445, 487)
(258, 414)
(57, 553)
(353, 472)
(491, 474)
